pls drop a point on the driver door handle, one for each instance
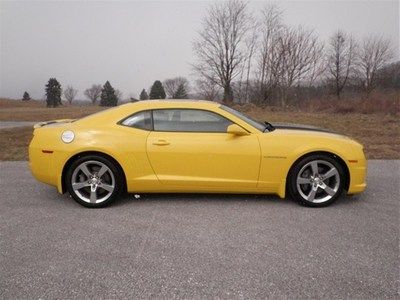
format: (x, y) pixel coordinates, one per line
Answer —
(161, 143)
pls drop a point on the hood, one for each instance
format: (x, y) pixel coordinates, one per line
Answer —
(300, 127)
(298, 130)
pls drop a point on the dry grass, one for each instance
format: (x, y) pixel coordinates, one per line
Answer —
(380, 133)
(8, 103)
(12, 110)
(14, 143)
(384, 102)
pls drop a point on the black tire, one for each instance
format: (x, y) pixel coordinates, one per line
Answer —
(112, 178)
(318, 186)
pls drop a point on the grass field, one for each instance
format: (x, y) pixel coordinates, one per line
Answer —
(380, 133)
(12, 110)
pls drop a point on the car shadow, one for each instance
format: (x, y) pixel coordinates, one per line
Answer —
(129, 199)
(196, 198)
(219, 197)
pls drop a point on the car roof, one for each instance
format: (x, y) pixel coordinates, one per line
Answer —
(117, 112)
(174, 103)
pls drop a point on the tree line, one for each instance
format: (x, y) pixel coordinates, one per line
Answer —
(107, 95)
(175, 88)
(243, 57)
(259, 58)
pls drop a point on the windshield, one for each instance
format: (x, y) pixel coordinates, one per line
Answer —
(260, 126)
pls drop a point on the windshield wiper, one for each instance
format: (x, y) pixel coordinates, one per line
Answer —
(268, 126)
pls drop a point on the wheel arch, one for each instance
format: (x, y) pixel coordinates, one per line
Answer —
(87, 153)
(332, 155)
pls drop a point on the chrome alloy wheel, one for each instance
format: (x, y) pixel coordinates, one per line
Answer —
(318, 181)
(93, 182)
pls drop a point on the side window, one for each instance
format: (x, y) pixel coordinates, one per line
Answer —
(189, 120)
(141, 120)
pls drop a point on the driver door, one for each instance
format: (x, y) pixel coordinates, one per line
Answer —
(191, 148)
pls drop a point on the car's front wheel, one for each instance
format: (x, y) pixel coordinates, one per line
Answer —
(93, 181)
(316, 180)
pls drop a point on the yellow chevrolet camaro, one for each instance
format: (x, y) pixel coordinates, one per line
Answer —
(168, 146)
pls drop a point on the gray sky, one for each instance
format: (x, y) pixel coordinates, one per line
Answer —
(133, 43)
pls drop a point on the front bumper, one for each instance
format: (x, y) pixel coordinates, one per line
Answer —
(358, 176)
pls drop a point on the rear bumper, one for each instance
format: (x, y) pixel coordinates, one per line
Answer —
(42, 166)
(46, 163)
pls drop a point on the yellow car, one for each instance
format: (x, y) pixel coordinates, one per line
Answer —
(174, 146)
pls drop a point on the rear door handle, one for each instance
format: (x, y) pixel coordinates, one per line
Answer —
(161, 143)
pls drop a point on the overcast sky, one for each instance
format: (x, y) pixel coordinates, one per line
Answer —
(131, 44)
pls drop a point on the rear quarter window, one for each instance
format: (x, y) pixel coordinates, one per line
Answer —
(140, 120)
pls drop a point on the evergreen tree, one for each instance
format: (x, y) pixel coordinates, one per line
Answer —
(143, 95)
(26, 97)
(53, 93)
(157, 90)
(181, 92)
(108, 96)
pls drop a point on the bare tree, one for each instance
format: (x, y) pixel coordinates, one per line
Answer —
(389, 77)
(172, 85)
(220, 47)
(94, 93)
(207, 90)
(242, 87)
(300, 52)
(286, 57)
(70, 93)
(341, 59)
(375, 53)
(268, 56)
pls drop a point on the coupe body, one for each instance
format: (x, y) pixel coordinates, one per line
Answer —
(175, 146)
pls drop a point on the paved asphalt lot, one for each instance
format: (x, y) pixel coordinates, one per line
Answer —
(198, 246)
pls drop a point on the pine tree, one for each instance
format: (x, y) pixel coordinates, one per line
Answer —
(53, 93)
(143, 95)
(157, 90)
(108, 96)
(26, 97)
(181, 92)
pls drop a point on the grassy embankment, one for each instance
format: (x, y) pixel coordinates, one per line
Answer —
(377, 131)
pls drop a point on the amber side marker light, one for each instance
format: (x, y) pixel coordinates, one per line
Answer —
(353, 161)
(47, 151)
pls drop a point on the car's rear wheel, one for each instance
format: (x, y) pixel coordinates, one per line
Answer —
(94, 181)
(316, 180)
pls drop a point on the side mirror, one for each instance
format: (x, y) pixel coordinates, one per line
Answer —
(236, 130)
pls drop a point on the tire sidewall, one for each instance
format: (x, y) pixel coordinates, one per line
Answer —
(114, 169)
(292, 184)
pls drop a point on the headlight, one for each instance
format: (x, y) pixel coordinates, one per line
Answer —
(67, 136)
